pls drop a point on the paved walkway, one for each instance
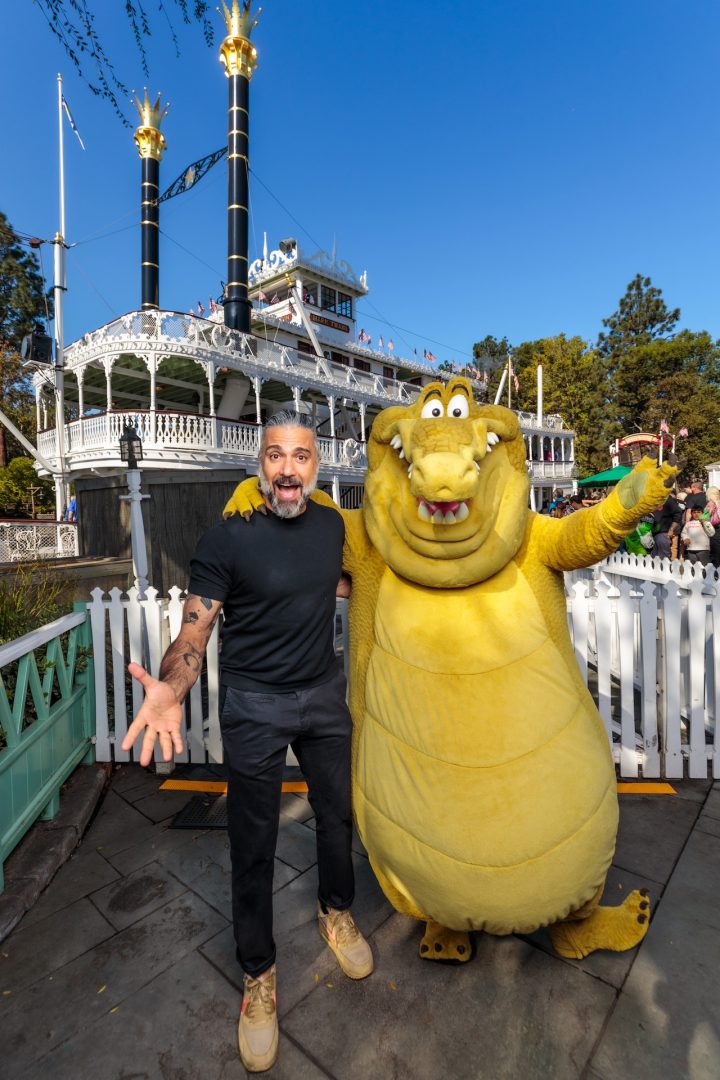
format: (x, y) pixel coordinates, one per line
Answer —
(124, 969)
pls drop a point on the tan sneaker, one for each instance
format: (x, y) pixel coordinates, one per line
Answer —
(258, 1027)
(342, 935)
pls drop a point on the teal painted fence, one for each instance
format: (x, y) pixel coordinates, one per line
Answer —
(47, 721)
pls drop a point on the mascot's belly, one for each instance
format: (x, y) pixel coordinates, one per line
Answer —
(484, 788)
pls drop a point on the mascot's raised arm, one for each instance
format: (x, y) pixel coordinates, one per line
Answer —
(483, 784)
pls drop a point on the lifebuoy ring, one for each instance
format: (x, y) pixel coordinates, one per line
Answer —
(353, 451)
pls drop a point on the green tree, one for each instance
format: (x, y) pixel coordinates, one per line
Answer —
(73, 24)
(22, 492)
(641, 372)
(641, 317)
(22, 307)
(574, 386)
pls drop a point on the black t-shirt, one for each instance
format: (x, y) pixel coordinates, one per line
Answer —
(276, 579)
(670, 514)
(696, 499)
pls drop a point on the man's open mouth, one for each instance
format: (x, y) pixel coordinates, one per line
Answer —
(443, 513)
(286, 492)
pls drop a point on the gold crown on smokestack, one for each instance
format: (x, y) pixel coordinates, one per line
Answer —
(150, 115)
(150, 140)
(239, 24)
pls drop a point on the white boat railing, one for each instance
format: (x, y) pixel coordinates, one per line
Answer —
(552, 470)
(187, 433)
(170, 333)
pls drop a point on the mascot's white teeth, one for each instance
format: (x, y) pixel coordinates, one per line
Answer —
(442, 513)
(396, 443)
(410, 471)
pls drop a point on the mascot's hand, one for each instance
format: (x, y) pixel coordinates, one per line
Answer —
(245, 500)
(647, 486)
(323, 499)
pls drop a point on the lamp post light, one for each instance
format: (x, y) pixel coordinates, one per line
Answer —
(131, 453)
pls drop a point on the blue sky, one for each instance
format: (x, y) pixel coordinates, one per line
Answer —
(498, 167)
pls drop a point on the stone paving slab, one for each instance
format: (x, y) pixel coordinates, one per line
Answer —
(712, 806)
(667, 1020)
(419, 1020)
(708, 824)
(653, 833)
(152, 846)
(181, 1026)
(52, 1010)
(129, 899)
(162, 805)
(84, 873)
(188, 861)
(117, 827)
(41, 949)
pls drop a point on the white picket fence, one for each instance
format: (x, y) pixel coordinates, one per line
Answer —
(643, 631)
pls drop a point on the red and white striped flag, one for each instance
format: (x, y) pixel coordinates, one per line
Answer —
(664, 425)
(683, 433)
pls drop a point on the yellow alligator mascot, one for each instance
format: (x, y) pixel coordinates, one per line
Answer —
(483, 785)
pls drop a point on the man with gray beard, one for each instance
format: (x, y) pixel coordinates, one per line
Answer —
(275, 579)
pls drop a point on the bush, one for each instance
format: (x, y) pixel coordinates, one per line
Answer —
(30, 597)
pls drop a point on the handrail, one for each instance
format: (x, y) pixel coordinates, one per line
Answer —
(14, 650)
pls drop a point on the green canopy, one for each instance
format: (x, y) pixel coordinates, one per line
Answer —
(609, 476)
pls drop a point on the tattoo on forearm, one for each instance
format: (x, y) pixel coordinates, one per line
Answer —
(181, 666)
(192, 657)
(191, 614)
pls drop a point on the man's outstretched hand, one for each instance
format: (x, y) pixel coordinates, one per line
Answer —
(159, 717)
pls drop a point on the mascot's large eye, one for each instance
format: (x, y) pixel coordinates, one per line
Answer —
(432, 409)
(459, 407)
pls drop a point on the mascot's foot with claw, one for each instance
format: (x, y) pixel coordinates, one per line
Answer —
(439, 943)
(616, 928)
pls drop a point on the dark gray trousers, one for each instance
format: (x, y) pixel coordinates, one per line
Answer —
(256, 731)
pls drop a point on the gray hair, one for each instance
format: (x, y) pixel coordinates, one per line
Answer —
(286, 418)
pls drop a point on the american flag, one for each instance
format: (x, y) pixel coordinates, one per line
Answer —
(262, 297)
(381, 343)
(664, 425)
(391, 345)
(66, 107)
(363, 337)
(683, 433)
(201, 309)
(213, 305)
(430, 357)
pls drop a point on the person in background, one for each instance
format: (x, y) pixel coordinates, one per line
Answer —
(575, 502)
(695, 497)
(712, 507)
(667, 520)
(696, 535)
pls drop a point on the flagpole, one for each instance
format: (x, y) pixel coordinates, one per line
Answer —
(59, 289)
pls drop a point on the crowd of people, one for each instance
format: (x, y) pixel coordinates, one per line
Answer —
(686, 526)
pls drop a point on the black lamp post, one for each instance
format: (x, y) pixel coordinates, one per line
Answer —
(130, 447)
